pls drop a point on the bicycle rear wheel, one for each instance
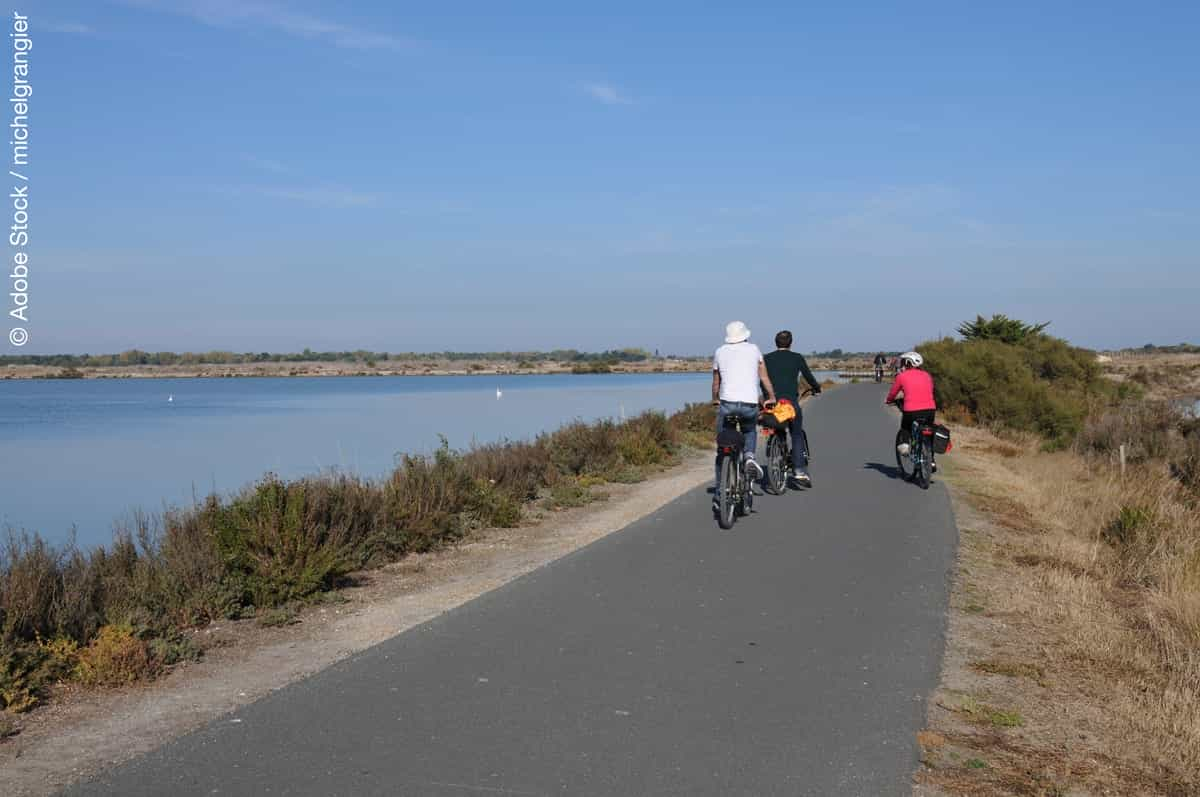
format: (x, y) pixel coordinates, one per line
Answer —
(904, 462)
(776, 465)
(726, 498)
(925, 474)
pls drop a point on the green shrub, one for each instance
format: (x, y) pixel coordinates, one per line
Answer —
(646, 440)
(1129, 524)
(279, 616)
(283, 541)
(519, 470)
(1041, 385)
(30, 586)
(492, 506)
(21, 685)
(423, 502)
(629, 474)
(698, 417)
(580, 449)
(27, 669)
(568, 494)
(172, 648)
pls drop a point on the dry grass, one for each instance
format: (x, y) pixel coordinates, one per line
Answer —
(278, 543)
(1090, 631)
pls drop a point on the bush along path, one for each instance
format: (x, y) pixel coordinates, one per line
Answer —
(1072, 661)
(116, 615)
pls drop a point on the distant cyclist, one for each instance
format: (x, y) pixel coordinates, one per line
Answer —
(786, 367)
(917, 386)
(737, 370)
(880, 361)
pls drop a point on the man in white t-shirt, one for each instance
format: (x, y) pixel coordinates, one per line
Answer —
(737, 371)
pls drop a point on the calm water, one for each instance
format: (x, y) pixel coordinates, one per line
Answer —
(85, 453)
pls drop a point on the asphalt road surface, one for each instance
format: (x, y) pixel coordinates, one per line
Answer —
(790, 655)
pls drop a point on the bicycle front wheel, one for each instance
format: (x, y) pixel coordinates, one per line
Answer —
(776, 465)
(727, 498)
(904, 461)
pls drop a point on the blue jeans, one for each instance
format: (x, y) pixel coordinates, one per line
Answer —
(749, 415)
(799, 450)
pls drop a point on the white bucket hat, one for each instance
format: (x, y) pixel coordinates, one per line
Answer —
(736, 332)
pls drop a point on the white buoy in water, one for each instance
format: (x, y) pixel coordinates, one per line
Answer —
(170, 398)
(499, 394)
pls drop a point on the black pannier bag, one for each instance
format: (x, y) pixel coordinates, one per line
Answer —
(730, 440)
(769, 421)
(941, 439)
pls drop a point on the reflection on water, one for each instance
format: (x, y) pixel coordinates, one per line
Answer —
(87, 452)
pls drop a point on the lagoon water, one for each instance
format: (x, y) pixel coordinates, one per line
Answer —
(84, 453)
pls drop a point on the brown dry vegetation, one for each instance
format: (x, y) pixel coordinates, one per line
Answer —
(1073, 660)
(1161, 375)
(116, 615)
(398, 367)
(426, 366)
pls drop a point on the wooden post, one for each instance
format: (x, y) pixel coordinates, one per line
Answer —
(1122, 454)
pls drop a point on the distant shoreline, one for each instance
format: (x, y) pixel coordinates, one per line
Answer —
(339, 369)
(392, 368)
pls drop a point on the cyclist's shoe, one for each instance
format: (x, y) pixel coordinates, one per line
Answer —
(716, 505)
(903, 448)
(801, 477)
(754, 469)
(933, 466)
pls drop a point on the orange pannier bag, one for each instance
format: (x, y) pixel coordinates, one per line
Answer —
(783, 411)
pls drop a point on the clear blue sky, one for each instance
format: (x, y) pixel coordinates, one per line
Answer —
(275, 174)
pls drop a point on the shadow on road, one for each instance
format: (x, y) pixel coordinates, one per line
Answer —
(890, 471)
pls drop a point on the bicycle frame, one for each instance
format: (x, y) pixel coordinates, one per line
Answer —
(740, 492)
(920, 447)
(781, 436)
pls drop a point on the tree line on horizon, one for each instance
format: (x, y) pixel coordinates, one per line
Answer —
(134, 357)
(998, 327)
(138, 357)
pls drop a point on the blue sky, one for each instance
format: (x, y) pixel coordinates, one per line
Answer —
(287, 173)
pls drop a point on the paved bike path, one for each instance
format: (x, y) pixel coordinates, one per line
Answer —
(790, 655)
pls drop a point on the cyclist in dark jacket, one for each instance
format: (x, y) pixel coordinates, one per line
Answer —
(785, 367)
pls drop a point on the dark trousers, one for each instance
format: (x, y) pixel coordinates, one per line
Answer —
(799, 449)
(907, 418)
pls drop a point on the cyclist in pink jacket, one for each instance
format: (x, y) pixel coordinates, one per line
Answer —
(917, 386)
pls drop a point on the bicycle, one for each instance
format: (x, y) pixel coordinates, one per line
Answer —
(779, 454)
(916, 461)
(879, 373)
(735, 495)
